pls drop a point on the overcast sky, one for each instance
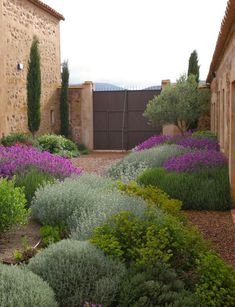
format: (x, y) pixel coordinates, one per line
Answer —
(137, 42)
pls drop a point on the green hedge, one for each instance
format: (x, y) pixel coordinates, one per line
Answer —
(205, 190)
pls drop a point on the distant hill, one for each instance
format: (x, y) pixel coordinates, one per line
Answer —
(153, 87)
(107, 87)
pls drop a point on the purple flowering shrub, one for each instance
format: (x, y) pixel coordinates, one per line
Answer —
(18, 158)
(199, 143)
(152, 141)
(195, 161)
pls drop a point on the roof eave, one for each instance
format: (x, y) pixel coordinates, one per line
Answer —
(48, 9)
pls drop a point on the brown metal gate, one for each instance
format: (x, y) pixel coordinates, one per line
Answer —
(118, 119)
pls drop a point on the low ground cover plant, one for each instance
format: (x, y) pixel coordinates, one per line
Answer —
(78, 272)
(12, 205)
(57, 144)
(199, 142)
(23, 288)
(196, 161)
(154, 157)
(205, 133)
(208, 189)
(17, 158)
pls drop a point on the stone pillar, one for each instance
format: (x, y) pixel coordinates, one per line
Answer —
(87, 115)
(232, 142)
(2, 76)
(165, 83)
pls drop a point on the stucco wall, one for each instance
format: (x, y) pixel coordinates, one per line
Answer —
(21, 20)
(223, 105)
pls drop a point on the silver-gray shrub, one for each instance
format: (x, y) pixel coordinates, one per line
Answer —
(82, 223)
(82, 203)
(54, 204)
(131, 165)
(20, 288)
(78, 272)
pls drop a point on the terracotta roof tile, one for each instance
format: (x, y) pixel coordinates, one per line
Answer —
(47, 8)
(226, 25)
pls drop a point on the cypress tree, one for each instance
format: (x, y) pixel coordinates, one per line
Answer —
(34, 88)
(64, 105)
(193, 67)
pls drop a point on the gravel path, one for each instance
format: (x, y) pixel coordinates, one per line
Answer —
(98, 162)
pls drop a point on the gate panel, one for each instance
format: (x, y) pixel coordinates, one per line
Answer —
(118, 119)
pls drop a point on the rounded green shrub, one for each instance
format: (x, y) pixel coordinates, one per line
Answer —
(81, 203)
(216, 284)
(14, 138)
(150, 239)
(22, 288)
(78, 272)
(31, 179)
(205, 190)
(57, 144)
(135, 163)
(154, 196)
(155, 286)
(12, 205)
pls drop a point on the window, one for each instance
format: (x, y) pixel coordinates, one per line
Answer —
(52, 117)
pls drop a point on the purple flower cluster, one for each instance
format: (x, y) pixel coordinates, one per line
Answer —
(195, 161)
(199, 143)
(152, 141)
(19, 157)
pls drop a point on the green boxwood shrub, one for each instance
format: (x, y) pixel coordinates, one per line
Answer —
(24, 289)
(78, 272)
(135, 163)
(154, 286)
(216, 285)
(205, 190)
(57, 144)
(12, 205)
(31, 179)
(150, 239)
(154, 196)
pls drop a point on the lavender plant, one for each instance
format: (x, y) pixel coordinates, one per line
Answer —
(195, 161)
(199, 143)
(17, 158)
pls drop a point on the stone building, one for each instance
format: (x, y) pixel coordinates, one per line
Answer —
(222, 81)
(20, 20)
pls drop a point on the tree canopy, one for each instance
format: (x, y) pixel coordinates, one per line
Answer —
(34, 88)
(180, 104)
(193, 67)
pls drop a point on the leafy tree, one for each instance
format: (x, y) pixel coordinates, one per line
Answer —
(64, 105)
(179, 104)
(193, 67)
(34, 88)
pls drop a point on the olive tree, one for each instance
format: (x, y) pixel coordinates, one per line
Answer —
(180, 104)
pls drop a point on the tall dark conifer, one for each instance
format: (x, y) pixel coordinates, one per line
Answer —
(193, 67)
(64, 105)
(34, 88)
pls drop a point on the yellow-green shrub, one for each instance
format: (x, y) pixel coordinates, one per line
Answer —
(154, 196)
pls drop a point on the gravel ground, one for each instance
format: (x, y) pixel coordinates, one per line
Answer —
(98, 162)
(218, 227)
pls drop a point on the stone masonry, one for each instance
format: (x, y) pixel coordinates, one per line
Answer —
(20, 20)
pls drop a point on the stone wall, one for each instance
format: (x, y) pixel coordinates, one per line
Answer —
(20, 20)
(223, 105)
